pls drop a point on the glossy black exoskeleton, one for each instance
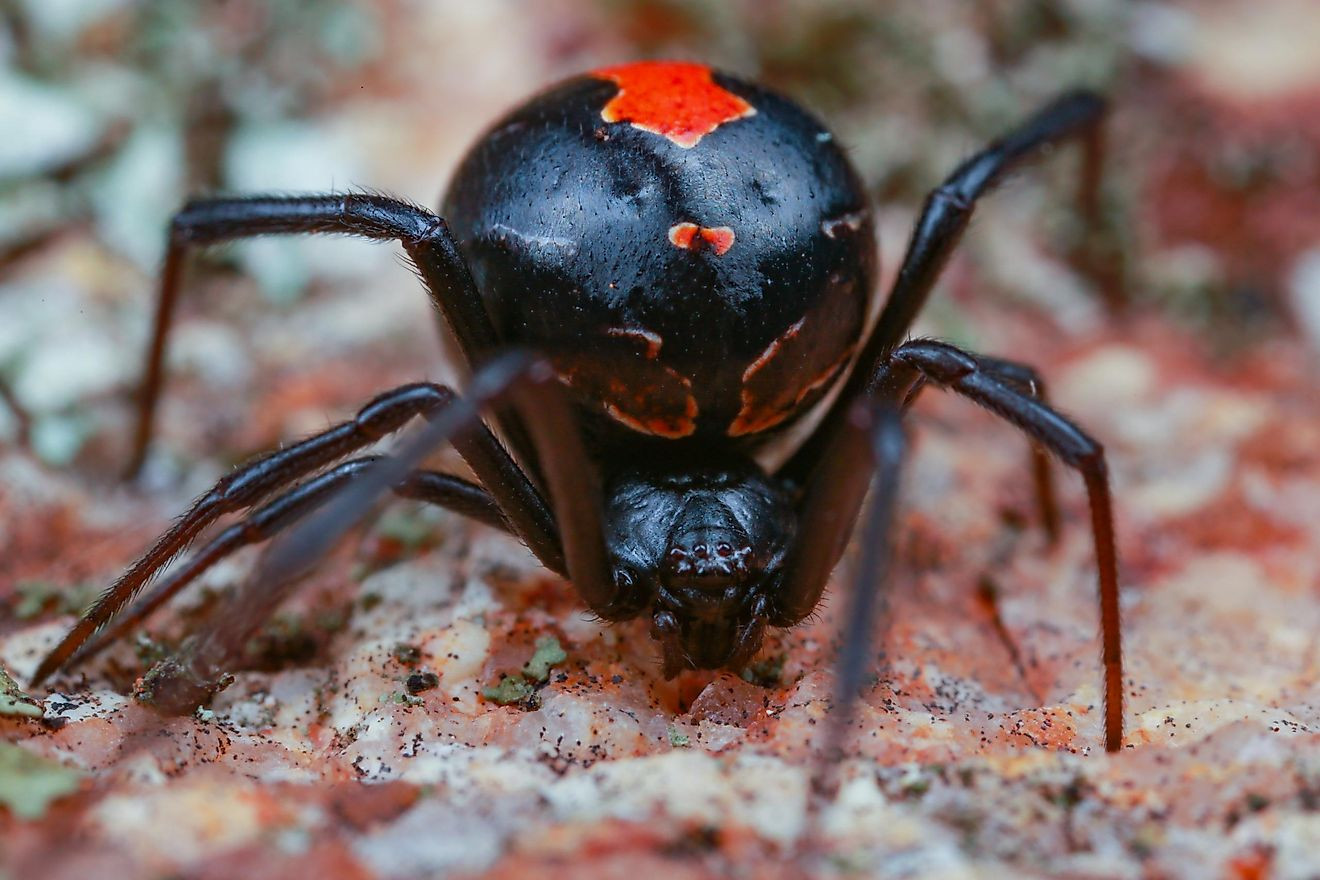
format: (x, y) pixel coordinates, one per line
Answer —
(692, 257)
(574, 231)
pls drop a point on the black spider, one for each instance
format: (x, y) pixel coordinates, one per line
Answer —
(654, 268)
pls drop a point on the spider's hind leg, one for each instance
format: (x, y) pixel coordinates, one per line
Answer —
(1026, 380)
(948, 210)
(22, 419)
(944, 218)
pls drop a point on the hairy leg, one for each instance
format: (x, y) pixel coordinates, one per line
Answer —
(961, 372)
(424, 236)
(442, 490)
(518, 379)
(526, 511)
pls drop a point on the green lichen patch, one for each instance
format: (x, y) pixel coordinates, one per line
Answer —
(521, 689)
(29, 784)
(512, 690)
(13, 701)
(549, 653)
(408, 655)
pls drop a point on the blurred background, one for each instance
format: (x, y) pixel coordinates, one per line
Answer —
(114, 111)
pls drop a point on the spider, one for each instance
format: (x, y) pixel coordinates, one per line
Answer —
(652, 269)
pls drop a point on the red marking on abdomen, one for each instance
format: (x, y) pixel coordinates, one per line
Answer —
(641, 393)
(692, 237)
(770, 393)
(671, 426)
(648, 338)
(674, 99)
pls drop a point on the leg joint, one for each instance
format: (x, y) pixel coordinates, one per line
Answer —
(953, 196)
(388, 412)
(943, 363)
(383, 216)
(1092, 458)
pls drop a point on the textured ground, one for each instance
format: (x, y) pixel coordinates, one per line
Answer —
(975, 753)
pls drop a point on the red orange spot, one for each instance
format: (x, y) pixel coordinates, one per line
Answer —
(645, 395)
(671, 427)
(674, 99)
(649, 339)
(767, 403)
(692, 237)
(772, 349)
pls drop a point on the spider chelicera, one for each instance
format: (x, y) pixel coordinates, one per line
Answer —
(653, 270)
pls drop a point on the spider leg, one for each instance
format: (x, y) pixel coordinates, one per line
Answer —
(944, 218)
(442, 490)
(424, 235)
(837, 487)
(22, 420)
(828, 514)
(517, 378)
(1025, 379)
(958, 371)
(871, 441)
(867, 602)
(948, 209)
(521, 502)
(530, 386)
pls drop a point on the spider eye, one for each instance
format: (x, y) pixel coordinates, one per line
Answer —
(724, 548)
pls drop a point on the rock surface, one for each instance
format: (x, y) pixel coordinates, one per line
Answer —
(362, 739)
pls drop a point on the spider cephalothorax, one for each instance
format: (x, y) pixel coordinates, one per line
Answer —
(702, 551)
(652, 269)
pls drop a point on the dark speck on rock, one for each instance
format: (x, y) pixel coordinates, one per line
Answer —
(422, 681)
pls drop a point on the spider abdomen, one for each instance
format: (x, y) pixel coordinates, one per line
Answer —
(693, 251)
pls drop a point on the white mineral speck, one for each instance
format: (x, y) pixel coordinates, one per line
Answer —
(189, 821)
(433, 839)
(74, 366)
(1304, 291)
(1112, 376)
(1161, 32)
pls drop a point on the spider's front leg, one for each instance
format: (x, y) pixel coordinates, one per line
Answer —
(870, 441)
(1026, 380)
(315, 514)
(529, 386)
(519, 499)
(428, 487)
(424, 236)
(962, 372)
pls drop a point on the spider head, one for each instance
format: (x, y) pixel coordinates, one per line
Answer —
(702, 550)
